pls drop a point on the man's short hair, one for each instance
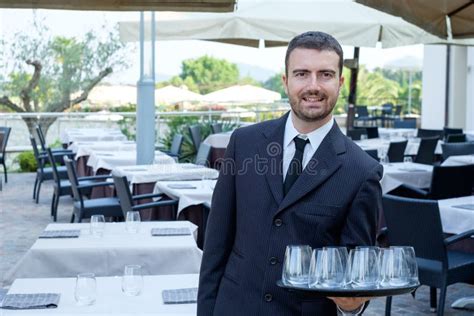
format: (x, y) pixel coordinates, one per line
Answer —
(315, 40)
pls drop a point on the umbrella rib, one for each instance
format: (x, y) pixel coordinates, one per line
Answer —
(468, 4)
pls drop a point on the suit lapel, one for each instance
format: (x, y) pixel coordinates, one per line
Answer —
(322, 165)
(271, 154)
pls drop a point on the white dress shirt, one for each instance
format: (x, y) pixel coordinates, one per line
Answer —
(315, 138)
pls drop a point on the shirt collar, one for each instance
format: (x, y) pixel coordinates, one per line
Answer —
(315, 137)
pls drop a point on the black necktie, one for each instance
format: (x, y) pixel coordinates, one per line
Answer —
(296, 164)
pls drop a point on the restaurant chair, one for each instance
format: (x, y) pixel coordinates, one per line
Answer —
(356, 134)
(405, 123)
(195, 133)
(204, 155)
(362, 115)
(127, 200)
(42, 139)
(417, 223)
(423, 133)
(372, 132)
(426, 150)
(216, 128)
(457, 149)
(450, 131)
(372, 153)
(176, 145)
(85, 208)
(43, 173)
(396, 151)
(456, 138)
(4, 135)
(62, 187)
(447, 182)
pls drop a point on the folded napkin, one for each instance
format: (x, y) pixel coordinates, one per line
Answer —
(180, 296)
(30, 301)
(178, 231)
(181, 186)
(68, 233)
(465, 206)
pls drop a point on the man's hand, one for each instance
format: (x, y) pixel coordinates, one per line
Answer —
(349, 303)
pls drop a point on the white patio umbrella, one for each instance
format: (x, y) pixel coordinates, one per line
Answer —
(277, 22)
(171, 94)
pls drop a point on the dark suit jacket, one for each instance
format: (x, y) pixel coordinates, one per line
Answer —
(335, 201)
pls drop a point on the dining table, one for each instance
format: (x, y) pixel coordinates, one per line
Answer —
(107, 255)
(460, 160)
(70, 135)
(109, 298)
(398, 173)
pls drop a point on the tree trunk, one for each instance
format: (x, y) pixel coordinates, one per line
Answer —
(44, 122)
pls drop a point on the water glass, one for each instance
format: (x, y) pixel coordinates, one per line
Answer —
(85, 291)
(296, 265)
(132, 280)
(363, 137)
(384, 159)
(364, 271)
(97, 225)
(409, 257)
(407, 159)
(333, 266)
(315, 265)
(132, 222)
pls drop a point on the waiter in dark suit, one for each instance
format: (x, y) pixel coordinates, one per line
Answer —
(293, 180)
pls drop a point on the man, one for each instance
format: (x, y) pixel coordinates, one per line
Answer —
(264, 201)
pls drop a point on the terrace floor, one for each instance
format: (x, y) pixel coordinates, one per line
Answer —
(21, 221)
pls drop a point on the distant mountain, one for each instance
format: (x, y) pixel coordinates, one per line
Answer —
(256, 72)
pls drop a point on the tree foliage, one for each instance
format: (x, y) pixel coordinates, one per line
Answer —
(51, 74)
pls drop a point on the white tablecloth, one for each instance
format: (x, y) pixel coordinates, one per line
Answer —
(469, 135)
(111, 159)
(220, 140)
(86, 148)
(459, 160)
(456, 220)
(397, 132)
(381, 145)
(106, 256)
(395, 174)
(109, 299)
(165, 172)
(187, 197)
(91, 134)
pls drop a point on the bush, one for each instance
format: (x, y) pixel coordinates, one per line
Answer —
(27, 161)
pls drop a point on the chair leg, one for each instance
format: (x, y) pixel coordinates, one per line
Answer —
(56, 202)
(388, 306)
(72, 218)
(38, 192)
(34, 188)
(5, 172)
(52, 203)
(433, 298)
(442, 300)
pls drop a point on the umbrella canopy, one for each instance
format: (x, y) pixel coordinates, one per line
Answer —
(277, 22)
(444, 18)
(125, 5)
(243, 94)
(171, 94)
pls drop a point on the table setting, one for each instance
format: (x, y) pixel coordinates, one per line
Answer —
(398, 173)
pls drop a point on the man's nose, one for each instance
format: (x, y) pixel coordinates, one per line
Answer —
(313, 82)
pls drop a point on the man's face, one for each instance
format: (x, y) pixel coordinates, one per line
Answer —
(312, 83)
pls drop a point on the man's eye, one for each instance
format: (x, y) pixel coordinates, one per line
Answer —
(300, 74)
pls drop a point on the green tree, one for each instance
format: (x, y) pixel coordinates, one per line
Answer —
(276, 84)
(65, 70)
(209, 73)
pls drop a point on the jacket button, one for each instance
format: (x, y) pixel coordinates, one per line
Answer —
(268, 297)
(278, 222)
(273, 261)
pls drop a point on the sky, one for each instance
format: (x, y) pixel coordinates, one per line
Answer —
(170, 54)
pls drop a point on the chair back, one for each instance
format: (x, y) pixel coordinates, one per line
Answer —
(195, 132)
(176, 144)
(423, 133)
(39, 161)
(372, 153)
(387, 109)
(56, 177)
(456, 138)
(123, 193)
(396, 151)
(405, 123)
(71, 173)
(398, 110)
(216, 128)
(355, 134)
(361, 111)
(203, 155)
(426, 150)
(416, 223)
(372, 132)
(4, 135)
(41, 138)
(449, 131)
(451, 181)
(457, 149)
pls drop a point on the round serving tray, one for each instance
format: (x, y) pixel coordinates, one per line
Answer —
(349, 292)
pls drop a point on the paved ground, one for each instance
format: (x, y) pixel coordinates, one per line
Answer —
(21, 221)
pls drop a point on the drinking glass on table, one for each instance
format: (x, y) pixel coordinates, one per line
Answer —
(296, 265)
(132, 280)
(85, 291)
(407, 159)
(363, 137)
(132, 222)
(97, 225)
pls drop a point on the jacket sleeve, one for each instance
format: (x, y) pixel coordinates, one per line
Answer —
(362, 217)
(220, 233)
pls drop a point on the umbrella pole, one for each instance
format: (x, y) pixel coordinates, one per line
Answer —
(352, 98)
(448, 69)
